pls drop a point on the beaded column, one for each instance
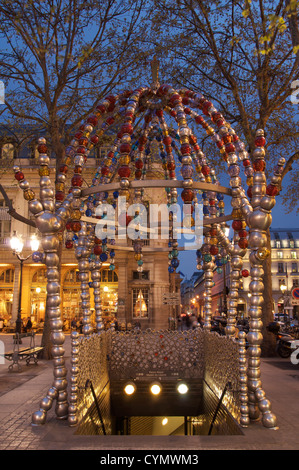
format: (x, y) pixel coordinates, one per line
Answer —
(259, 221)
(243, 389)
(82, 254)
(49, 224)
(72, 417)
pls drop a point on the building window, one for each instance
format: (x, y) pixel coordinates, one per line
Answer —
(294, 268)
(40, 276)
(293, 254)
(295, 282)
(279, 255)
(7, 151)
(141, 303)
(5, 223)
(277, 243)
(141, 275)
(280, 268)
(108, 276)
(71, 276)
(7, 276)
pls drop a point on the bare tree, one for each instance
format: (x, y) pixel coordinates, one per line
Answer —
(244, 59)
(58, 58)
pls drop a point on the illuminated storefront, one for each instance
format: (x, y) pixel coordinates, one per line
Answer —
(6, 293)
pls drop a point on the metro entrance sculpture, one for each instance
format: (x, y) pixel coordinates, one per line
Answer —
(166, 114)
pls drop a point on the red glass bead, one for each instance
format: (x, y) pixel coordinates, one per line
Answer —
(249, 192)
(214, 250)
(59, 196)
(260, 141)
(124, 171)
(76, 226)
(230, 148)
(243, 243)
(19, 176)
(167, 140)
(94, 139)
(97, 249)
(42, 148)
(205, 170)
(105, 170)
(68, 226)
(172, 174)
(243, 234)
(206, 106)
(187, 195)
(199, 120)
(259, 165)
(138, 174)
(272, 190)
(237, 225)
(192, 139)
(185, 149)
(83, 141)
(125, 148)
(227, 138)
(246, 162)
(101, 108)
(216, 117)
(139, 164)
(63, 169)
(69, 244)
(170, 166)
(213, 232)
(126, 129)
(245, 272)
(77, 180)
(93, 120)
(220, 144)
(110, 120)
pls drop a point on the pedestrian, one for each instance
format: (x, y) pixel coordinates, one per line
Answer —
(28, 326)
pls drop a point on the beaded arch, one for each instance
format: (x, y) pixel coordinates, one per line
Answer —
(123, 172)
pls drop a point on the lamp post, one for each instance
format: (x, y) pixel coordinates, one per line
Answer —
(283, 289)
(17, 246)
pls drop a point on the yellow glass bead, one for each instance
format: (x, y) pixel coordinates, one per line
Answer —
(244, 225)
(208, 179)
(59, 186)
(29, 195)
(108, 162)
(44, 170)
(237, 214)
(76, 214)
(263, 253)
(198, 168)
(214, 240)
(137, 257)
(222, 150)
(67, 160)
(125, 193)
(221, 204)
(210, 131)
(125, 160)
(249, 181)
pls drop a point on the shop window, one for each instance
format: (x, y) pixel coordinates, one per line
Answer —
(108, 276)
(141, 303)
(294, 268)
(7, 276)
(40, 276)
(72, 276)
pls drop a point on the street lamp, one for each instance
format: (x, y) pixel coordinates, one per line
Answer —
(17, 246)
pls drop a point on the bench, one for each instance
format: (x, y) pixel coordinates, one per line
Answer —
(20, 353)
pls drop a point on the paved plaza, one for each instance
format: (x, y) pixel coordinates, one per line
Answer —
(20, 394)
